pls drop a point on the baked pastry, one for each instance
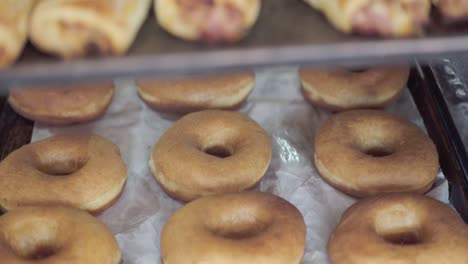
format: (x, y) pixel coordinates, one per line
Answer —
(399, 228)
(221, 151)
(76, 28)
(368, 152)
(185, 95)
(85, 171)
(452, 9)
(14, 16)
(339, 90)
(207, 20)
(394, 18)
(51, 235)
(241, 228)
(55, 105)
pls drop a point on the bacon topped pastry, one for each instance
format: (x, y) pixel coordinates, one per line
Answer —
(207, 20)
(390, 18)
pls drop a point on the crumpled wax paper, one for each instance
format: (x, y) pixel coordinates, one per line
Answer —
(276, 103)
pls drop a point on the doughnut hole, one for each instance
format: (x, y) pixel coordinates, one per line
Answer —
(62, 166)
(399, 225)
(34, 239)
(65, 159)
(219, 151)
(239, 222)
(377, 144)
(358, 70)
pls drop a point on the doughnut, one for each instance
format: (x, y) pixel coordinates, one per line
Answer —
(14, 15)
(339, 90)
(55, 234)
(83, 171)
(198, 93)
(398, 18)
(86, 28)
(399, 228)
(453, 10)
(220, 151)
(249, 227)
(207, 20)
(55, 105)
(367, 152)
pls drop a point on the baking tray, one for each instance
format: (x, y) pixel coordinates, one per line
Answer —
(15, 131)
(288, 32)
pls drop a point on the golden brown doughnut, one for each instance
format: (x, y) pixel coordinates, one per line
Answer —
(339, 90)
(453, 9)
(55, 105)
(240, 228)
(210, 152)
(399, 228)
(14, 16)
(394, 18)
(207, 20)
(367, 152)
(86, 172)
(53, 235)
(76, 28)
(194, 94)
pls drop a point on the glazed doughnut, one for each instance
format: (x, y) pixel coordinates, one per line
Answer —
(55, 105)
(77, 28)
(199, 93)
(207, 20)
(50, 235)
(221, 151)
(399, 228)
(367, 152)
(399, 18)
(339, 90)
(86, 172)
(249, 227)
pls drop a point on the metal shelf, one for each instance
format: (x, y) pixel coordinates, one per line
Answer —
(288, 32)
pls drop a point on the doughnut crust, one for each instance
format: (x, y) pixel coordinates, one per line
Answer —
(199, 93)
(367, 152)
(394, 18)
(83, 171)
(250, 227)
(207, 20)
(339, 90)
(76, 28)
(221, 151)
(54, 105)
(14, 15)
(399, 228)
(52, 235)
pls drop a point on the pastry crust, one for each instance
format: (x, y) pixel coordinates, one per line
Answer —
(453, 9)
(14, 16)
(74, 28)
(207, 20)
(395, 18)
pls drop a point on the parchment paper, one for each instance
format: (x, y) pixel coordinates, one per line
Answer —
(276, 104)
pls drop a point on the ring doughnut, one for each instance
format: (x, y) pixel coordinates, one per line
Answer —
(194, 94)
(50, 235)
(339, 90)
(207, 21)
(367, 152)
(55, 105)
(222, 152)
(249, 227)
(86, 172)
(399, 228)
